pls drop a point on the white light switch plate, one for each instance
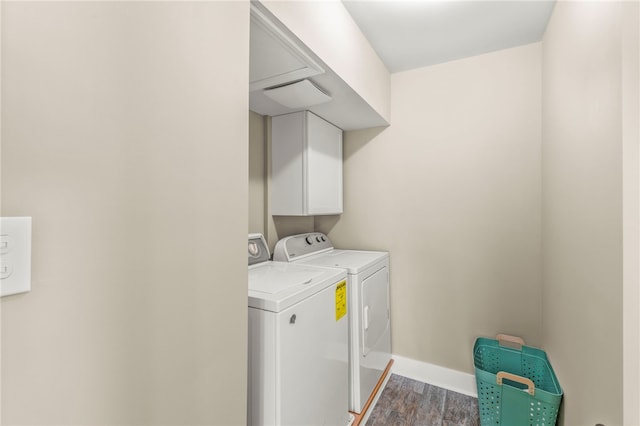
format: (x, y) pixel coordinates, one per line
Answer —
(15, 255)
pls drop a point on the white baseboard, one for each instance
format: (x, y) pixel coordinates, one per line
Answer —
(446, 378)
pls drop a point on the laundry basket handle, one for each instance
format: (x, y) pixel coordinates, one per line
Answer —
(531, 388)
(514, 342)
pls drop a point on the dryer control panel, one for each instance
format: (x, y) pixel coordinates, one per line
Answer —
(301, 245)
(257, 249)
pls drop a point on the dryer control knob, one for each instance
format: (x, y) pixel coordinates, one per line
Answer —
(309, 240)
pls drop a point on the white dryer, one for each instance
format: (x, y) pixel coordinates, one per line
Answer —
(368, 300)
(298, 342)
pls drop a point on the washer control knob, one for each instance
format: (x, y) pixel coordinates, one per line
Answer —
(323, 238)
(309, 240)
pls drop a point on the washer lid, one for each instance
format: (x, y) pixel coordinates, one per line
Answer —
(354, 261)
(274, 286)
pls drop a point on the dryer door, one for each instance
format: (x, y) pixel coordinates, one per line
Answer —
(374, 309)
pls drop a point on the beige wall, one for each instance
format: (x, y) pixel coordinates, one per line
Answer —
(582, 211)
(452, 190)
(125, 138)
(631, 211)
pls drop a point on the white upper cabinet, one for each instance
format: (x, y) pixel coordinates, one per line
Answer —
(306, 166)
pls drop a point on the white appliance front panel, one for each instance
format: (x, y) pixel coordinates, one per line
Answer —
(375, 309)
(298, 364)
(314, 362)
(367, 368)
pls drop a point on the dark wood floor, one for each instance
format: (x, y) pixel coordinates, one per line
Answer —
(408, 402)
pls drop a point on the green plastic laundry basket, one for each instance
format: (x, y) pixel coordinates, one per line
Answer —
(516, 383)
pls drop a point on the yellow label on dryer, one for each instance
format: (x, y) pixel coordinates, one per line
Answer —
(341, 299)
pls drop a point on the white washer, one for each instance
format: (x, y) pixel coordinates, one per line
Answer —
(298, 342)
(368, 299)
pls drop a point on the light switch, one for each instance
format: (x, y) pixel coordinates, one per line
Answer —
(5, 271)
(15, 255)
(5, 243)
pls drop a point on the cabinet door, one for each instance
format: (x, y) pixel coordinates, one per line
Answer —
(288, 135)
(324, 167)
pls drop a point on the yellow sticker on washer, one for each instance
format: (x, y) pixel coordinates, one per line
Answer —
(341, 299)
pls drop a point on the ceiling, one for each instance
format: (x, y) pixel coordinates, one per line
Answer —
(410, 34)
